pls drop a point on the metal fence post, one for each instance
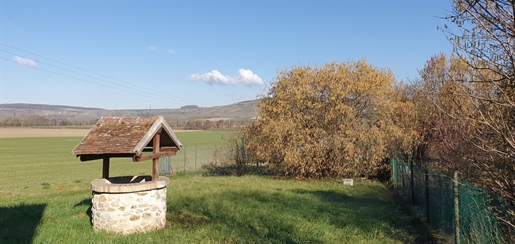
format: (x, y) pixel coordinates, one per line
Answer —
(216, 156)
(184, 159)
(412, 183)
(426, 182)
(195, 157)
(403, 178)
(394, 172)
(456, 209)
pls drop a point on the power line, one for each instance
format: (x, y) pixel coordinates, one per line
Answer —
(141, 91)
(126, 84)
(88, 81)
(72, 66)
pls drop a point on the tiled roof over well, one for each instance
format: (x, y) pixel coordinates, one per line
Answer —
(114, 135)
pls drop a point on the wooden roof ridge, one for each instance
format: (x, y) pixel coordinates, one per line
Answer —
(125, 137)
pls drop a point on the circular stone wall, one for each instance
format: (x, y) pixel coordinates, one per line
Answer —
(129, 204)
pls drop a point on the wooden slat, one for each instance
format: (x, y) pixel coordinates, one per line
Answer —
(146, 139)
(90, 157)
(168, 149)
(163, 149)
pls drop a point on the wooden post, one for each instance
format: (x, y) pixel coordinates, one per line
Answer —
(155, 161)
(105, 167)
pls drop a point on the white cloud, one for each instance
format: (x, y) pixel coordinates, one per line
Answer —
(171, 51)
(245, 76)
(152, 48)
(25, 61)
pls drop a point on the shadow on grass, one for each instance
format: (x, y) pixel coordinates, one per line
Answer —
(18, 224)
(86, 202)
(235, 170)
(290, 216)
(366, 212)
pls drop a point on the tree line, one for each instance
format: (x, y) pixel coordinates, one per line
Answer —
(200, 124)
(36, 120)
(194, 124)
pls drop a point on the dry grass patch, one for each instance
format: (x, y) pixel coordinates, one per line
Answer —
(41, 132)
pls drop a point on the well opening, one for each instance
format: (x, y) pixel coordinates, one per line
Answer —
(123, 184)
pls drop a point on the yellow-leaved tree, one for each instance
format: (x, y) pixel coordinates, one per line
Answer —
(339, 119)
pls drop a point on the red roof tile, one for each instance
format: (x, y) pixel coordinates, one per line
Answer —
(125, 136)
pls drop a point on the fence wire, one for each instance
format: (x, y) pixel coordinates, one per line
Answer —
(192, 157)
(472, 221)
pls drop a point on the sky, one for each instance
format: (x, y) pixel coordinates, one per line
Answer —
(168, 54)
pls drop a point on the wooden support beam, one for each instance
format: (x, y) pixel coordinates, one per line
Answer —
(89, 157)
(155, 150)
(163, 149)
(152, 156)
(168, 149)
(105, 167)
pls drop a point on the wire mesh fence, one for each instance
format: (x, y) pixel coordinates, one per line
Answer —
(450, 205)
(191, 158)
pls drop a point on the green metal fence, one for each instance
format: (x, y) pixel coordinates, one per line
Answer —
(191, 157)
(450, 205)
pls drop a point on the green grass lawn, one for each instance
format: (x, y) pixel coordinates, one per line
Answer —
(37, 166)
(209, 137)
(45, 197)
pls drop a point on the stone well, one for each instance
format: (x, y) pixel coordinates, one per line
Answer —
(129, 204)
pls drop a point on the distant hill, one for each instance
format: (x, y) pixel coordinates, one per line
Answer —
(27, 106)
(241, 110)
